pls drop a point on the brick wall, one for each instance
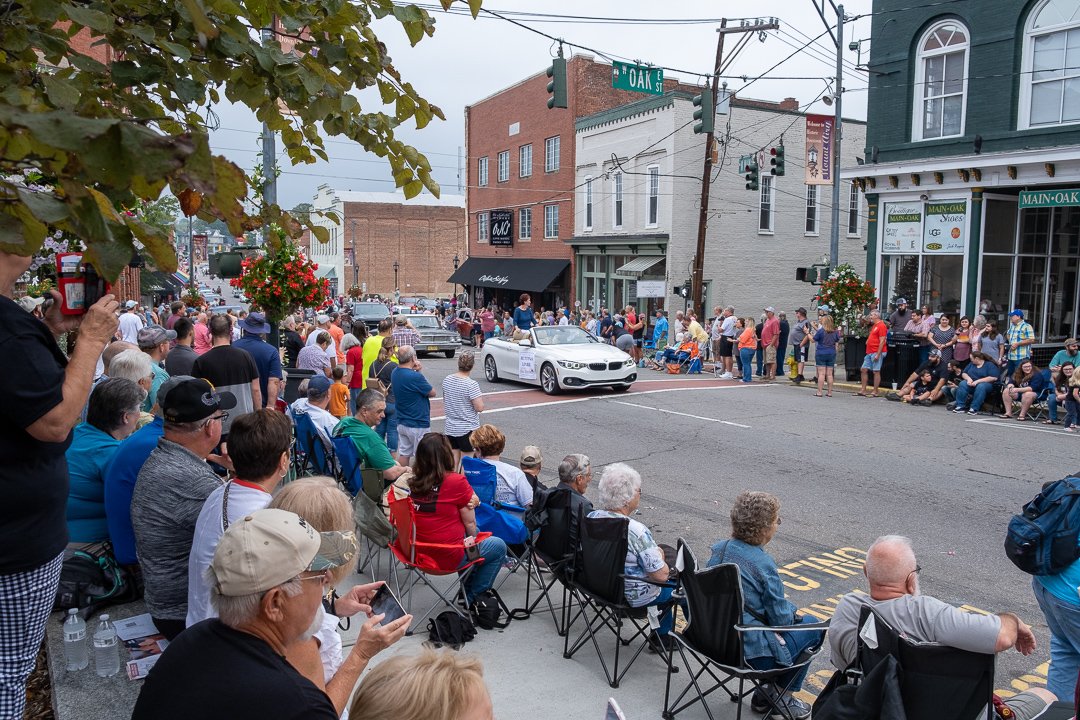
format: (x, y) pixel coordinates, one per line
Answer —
(84, 44)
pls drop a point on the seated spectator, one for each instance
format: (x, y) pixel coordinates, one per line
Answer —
(1023, 387)
(169, 494)
(1059, 392)
(314, 357)
(267, 601)
(687, 349)
(259, 445)
(575, 474)
(620, 496)
(922, 390)
(315, 405)
(327, 509)
(755, 518)
(893, 574)
(1069, 354)
(977, 379)
(111, 415)
(444, 504)
(372, 451)
(1072, 403)
(120, 476)
(530, 463)
(434, 685)
(513, 487)
(953, 376)
(938, 369)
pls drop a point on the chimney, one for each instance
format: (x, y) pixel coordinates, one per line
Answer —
(789, 103)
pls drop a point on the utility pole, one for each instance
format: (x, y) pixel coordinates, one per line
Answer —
(697, 279)
(838, 122)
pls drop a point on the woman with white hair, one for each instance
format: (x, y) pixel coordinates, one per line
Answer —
(620, 495)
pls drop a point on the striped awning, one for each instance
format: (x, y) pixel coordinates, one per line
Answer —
(181, 277)
(638, 266)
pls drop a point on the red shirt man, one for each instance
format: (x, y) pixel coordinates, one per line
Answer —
(875, 342)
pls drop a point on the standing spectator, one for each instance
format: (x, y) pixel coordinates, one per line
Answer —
(337, 334)
(875, 353)
(413, 394)
(487, 325)
(1023, 386)
(748, 342)
(182, 356)
(313, 356)
(622, 337)
(339, 394)
(203, 341)
(943, 337)
(530, 462)
(715, 334)
(462, 404)
(607, 325)
(178, 310)
(1021, 336)
(977, 379)
(728, 341)
(230, 370)
(759, 352)
(523, 317)
(111, 416)
(372, 346)
(770, 340)
(1059, 603)
(154, 341)
(1059, 393)
(962, 346)
(169, 494)
(293, 342)
(267, 357)
(660, 329)
(826, 338)
(404, 333)
(354, 366)
(676, 327)
(992, 344)
(900, 317)
(923, 323)
(781, 344)
(382, 371)
(800, 344)
(322, 323)
(131, 323)
(635, 323)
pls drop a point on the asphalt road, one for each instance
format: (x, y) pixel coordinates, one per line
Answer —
(847, 469)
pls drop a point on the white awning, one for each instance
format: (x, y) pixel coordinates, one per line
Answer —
(638, 266)
(326, 271)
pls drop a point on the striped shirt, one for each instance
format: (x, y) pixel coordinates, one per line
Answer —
(458, 394)
(1017, 332)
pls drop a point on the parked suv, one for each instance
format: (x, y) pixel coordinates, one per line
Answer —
(369, 313)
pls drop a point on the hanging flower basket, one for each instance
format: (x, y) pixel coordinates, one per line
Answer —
(193, 298)
(282, 283)
(848, 297)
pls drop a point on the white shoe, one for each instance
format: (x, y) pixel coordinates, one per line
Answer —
(727, 376)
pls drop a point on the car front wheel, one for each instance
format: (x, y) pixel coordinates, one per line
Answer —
(549, 381)
(449, 353)
(490, 371)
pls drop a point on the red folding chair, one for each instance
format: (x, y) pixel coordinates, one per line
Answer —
(413, 555)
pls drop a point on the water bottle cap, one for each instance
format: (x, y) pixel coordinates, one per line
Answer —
(73, 611)
(104, 617)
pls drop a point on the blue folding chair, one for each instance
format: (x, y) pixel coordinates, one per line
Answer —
(366, 486)
(500, 519)
(313, 454)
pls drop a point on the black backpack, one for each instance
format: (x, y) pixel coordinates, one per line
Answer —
(450, 629)
(1043, 538)
(91, 579)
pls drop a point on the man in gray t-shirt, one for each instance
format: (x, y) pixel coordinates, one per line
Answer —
(800, 343)
(894, 595)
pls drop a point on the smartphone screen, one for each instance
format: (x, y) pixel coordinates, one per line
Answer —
(613, 711)
(384, 602)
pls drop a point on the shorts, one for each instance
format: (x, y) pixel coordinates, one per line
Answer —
(770, 355)
(716, 347)
(409, 438)
(488, 334)
(1026, 705)
(869, 363)
(625, 343)
(461, 442)
(825, 361)
(801, 353)
(727, 347)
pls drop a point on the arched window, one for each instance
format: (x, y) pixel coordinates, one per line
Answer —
(1050, 87)
(941, 85)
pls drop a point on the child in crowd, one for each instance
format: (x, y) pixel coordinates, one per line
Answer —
(339, 394)
(921, 390)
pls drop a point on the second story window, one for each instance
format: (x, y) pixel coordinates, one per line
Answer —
(482, 172)
(765, 206)
(525, 160)
(525, 224)
(551, 221)
(588, 203)
(482, 227)
(551, 154)
(941, 84)
(853, 211)
(616, 200)
(504, 166)
(811, 210)
(652, 209)
(1050, 81)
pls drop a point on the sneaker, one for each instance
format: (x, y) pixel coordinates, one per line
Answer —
(726, 376)
(758, 703)
(662, 644)
(796, 709)
(892, 395)
(959, 410)
(973, 412)
(949, 407)
(926, 403)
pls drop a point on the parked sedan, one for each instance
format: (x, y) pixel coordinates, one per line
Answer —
(558, 358)
(433, 336)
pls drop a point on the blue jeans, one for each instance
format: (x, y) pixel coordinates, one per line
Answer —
(482, 577)
(746, 355)
(978, 393)
(796, 642)
(353, 393)
(667, 617)
(759, 359)
(387, 428)
(1072, 412)
(1063, 620)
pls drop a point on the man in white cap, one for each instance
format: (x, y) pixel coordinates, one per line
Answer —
(267, 580)
(131, 323)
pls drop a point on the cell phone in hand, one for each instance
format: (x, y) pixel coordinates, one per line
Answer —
(384, 603)
(613, 711)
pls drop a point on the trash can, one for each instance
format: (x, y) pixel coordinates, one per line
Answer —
(293, 378)
(901, 360)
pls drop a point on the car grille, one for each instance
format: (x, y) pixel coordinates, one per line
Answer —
(614, 365)
(598, 366)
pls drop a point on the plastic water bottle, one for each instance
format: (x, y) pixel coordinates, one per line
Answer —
(106, 649)
(75, 651)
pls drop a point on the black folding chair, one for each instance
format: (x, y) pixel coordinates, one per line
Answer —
(553, 521)
(597, 587)
(713, 639)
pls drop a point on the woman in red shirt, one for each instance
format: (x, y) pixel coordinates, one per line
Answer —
(444, 503)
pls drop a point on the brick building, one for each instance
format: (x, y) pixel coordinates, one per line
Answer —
(422, 236)
(520, 179)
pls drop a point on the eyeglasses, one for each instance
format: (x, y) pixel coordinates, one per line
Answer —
(222, 417)
(916, 571)
(323, 577)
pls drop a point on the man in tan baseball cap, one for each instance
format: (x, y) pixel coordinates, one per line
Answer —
(531, 460)
(267, 580)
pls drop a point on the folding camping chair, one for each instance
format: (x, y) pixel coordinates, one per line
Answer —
(502, 520)
(713, 635)
(312, 453)
(369, 510)
(553, 539)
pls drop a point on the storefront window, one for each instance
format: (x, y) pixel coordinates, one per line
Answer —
(1035, 231)
(1030, 287)
(942, 283)
(996, 284)
(1066, 239)
(999, 230)
(1061, 298)
(900, 276)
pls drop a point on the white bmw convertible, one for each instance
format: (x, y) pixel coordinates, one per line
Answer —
(558, 358)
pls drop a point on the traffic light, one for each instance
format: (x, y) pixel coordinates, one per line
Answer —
(752, 176)
(706, 111)
(557, 87)
(777, 160)
(684, 291)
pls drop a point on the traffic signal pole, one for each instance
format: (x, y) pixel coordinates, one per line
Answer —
(697, 279)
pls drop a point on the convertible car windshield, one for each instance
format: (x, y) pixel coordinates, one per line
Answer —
(564, 335)
(424, 321)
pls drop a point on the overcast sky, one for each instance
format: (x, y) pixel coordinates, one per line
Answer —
(467, 60)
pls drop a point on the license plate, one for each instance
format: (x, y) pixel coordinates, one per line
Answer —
(432, 347)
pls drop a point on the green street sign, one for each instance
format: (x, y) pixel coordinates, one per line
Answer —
(1049, 198)
(637, 78)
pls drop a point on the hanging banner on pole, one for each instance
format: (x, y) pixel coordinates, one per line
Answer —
(819, 149)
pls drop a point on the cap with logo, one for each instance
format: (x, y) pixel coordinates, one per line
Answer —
(531, 456)
(194, 400)
(153, 336)
(270, 547)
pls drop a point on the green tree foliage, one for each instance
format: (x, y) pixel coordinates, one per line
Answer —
(110, 136)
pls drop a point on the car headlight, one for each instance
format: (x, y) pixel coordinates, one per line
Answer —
(571, 364)
(629, 362)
